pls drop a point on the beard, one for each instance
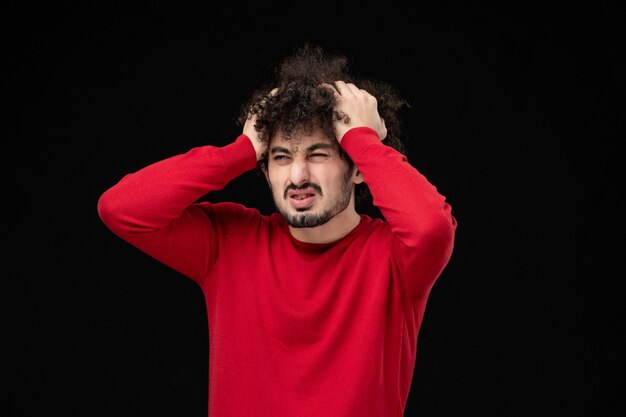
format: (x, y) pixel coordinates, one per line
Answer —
(305, 219)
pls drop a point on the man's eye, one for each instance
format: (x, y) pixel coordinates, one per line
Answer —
(318, 157)
(281, 158)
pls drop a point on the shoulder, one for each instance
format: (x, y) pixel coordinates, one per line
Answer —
(372, 223)
(227, 213)
(374, 227)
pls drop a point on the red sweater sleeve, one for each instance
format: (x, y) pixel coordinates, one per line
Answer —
(419, 217)
(153, 208)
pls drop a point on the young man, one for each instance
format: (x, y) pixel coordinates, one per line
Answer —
(314, 310)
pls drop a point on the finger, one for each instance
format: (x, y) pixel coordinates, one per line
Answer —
(342, 87)
(271, 94)
(354, 89)
(331, 87)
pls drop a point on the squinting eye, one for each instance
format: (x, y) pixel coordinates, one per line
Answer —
(318, 157)
(281, 159)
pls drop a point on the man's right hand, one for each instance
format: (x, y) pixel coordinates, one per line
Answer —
(253, 135)
(250, 132)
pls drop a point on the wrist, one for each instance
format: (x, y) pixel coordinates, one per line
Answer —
(259, 147)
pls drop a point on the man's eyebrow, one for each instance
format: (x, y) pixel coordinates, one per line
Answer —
(320, 145)
(277, 149)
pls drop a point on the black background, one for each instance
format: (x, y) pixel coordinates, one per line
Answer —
(516, 116)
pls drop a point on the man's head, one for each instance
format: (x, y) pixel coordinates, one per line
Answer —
(310, 181)
(297, 104)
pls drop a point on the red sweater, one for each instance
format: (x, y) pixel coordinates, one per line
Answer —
(295, 329)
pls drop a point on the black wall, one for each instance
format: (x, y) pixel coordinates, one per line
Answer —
(516, 115)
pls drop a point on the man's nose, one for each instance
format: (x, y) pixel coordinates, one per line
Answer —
(299, 171)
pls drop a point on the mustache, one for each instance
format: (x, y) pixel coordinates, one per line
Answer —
(303, 186)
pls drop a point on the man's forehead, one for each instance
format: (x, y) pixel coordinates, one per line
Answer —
(302, 141)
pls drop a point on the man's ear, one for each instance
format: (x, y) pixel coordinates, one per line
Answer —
(267, 177)
(358, 177)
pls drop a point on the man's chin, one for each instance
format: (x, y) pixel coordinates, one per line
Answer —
(304, 219)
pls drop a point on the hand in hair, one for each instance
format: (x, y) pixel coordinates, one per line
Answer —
(250, 131)
(355, 108)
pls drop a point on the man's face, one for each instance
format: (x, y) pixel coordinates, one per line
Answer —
(310, 182)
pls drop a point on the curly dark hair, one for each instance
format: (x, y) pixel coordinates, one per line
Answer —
(301, 105)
